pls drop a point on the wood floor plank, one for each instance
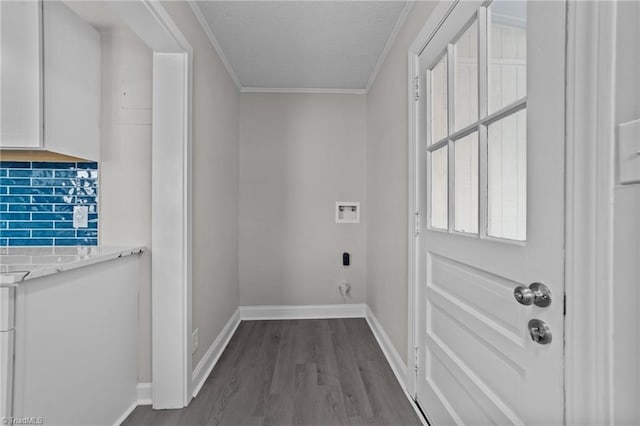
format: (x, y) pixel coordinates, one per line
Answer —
(386, 396)
(356, 421)
(325, 355)
(284, 371)
(142, 415)
(267, 362)
(300, 372)
(279, 411)
(332, 407)
(354, 392)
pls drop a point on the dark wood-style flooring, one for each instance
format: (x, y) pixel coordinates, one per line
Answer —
(298, 372)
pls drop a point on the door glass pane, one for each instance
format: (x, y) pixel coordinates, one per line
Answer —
(507, 52)
(439, 189)
(466, 78)
(507, 177)
(439, 103)
(466, 184)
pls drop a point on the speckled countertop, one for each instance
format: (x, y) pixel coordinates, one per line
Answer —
(18, 264)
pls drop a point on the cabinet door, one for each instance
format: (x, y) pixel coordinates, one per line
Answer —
(20, 74)
(71, 83)
(6, 373)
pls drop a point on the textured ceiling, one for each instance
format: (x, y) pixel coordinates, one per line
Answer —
(302, 44)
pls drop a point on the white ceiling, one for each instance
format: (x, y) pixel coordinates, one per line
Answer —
(302, 44)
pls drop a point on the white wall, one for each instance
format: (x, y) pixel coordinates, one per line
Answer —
(215, 183)
(299, 154)
(125, 173)
(387, 184)
(125, 167)
(627, 229)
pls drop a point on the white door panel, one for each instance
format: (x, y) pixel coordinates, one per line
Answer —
(478, 363)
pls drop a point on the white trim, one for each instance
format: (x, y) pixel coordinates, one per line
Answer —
(144, 393)
(303, 90)
(273, 312)
(171, 214)
(211, 357)
(171, 248)
(412, 211)
(143, 397)
(151, 22)
(126, 414)
(214, 42)
(433, 23)
(404, 13)
(170, 28)
(280, 312)
(394, 359)
(591, 82)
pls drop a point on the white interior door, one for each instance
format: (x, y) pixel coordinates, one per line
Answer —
(490, 184)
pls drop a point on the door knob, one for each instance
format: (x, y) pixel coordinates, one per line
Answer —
(541, 295)
(524, 295)
(540, 331)
(537, 294)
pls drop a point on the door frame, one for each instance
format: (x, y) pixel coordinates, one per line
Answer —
(590, 132)
(590, 145)
(171, 247)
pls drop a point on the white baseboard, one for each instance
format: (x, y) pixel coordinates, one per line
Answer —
(393, 357)
(210, 358)
(281, 312)
(144, 393)
(143, 397)
(126, 414)
(398, 366)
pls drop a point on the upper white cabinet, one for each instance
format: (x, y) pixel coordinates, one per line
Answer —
(71, 83)
(51, 91)
(20, 74)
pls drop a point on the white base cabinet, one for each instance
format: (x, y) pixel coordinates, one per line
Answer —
(76, 344)
(7, 339)
(50, 79)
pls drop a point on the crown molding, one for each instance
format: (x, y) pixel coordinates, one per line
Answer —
(303, 90)
(387, 47)
(207, 30)
(383, 56)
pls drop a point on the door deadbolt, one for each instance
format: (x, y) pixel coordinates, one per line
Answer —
(537, 294)
(540, 331)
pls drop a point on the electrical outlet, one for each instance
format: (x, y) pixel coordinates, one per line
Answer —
(195, 341)
(80, 217)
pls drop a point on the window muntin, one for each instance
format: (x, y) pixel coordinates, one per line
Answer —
(480, 115)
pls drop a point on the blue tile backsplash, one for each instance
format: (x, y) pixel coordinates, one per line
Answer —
(37, 199)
